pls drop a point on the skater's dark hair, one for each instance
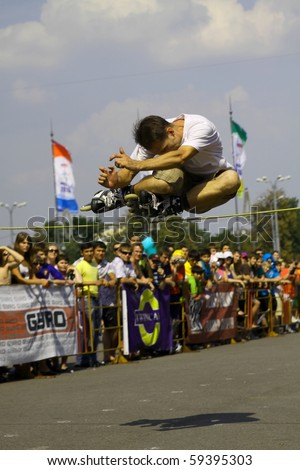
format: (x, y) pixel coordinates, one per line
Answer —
(149, 130)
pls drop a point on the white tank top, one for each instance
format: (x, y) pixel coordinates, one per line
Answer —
(24, 270)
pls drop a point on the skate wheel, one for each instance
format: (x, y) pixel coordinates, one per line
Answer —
(131, 199)
(85, 208)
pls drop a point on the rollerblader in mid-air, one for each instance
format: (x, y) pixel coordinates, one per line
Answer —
(186, 170)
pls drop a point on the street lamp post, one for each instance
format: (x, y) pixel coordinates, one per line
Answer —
(10, 210)
(275, 226)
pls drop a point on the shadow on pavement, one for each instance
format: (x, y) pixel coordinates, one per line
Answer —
(196, 421)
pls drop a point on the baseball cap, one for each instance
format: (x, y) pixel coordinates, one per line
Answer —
(228, 254)
(220, 255)
(244, 254)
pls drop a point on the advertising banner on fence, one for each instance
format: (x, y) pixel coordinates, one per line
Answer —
(36, 323)
(146, 319)
(213, 318)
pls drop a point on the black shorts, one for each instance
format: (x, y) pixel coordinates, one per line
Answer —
(110, 316)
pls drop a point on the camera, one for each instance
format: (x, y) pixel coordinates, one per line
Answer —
(179, 261)
(71, 275)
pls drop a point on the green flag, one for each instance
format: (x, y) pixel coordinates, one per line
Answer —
(239, 138)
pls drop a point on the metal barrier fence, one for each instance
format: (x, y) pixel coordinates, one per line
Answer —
(260, 310)
(89, 329)
(265, 307)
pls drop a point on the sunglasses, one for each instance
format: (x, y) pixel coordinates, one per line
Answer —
(125, 252)
(53, 250)
(36, 263)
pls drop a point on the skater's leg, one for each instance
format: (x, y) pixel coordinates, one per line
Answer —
(153, 185)
(215, 192)
(165, 182)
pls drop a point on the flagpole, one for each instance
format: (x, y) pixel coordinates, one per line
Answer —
(53, 169)
(234, 165)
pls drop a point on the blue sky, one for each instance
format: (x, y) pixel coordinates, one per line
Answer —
(91, 67)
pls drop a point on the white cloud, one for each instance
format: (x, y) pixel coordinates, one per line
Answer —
(229, 31)
(93, 11)
(170, 33)
(27, 45)
(67, 26)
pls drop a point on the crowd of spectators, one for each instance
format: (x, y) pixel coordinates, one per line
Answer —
(189, 274)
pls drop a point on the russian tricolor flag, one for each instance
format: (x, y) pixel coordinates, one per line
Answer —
(64, 179)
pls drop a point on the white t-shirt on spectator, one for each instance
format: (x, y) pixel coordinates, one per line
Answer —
(121, 269)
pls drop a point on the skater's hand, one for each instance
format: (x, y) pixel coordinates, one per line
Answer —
(108, 177)
(124, 161)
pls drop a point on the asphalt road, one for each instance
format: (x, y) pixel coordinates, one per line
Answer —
(241, 396)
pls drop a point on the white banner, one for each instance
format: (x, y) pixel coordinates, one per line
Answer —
(36, 323)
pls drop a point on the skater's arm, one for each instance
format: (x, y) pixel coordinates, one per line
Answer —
(165, 161)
